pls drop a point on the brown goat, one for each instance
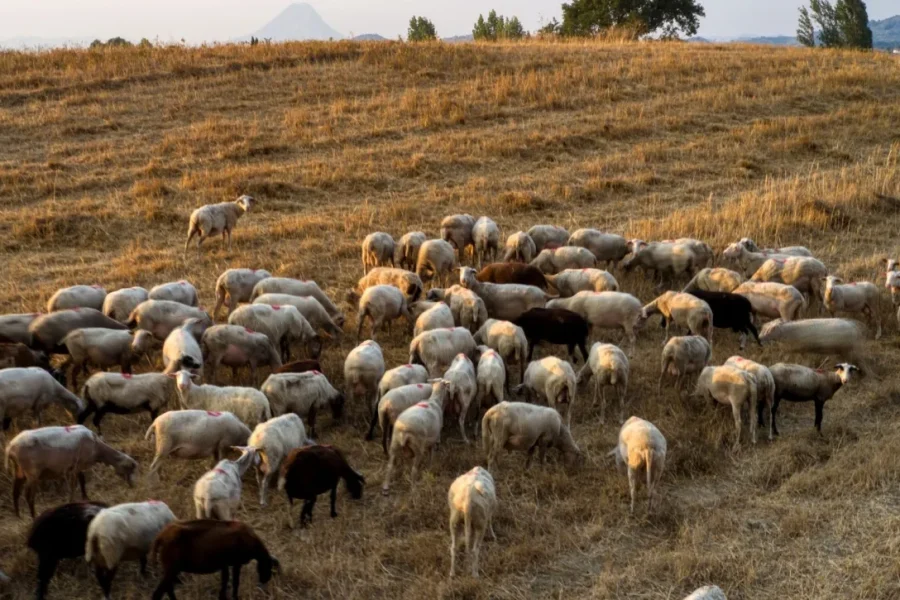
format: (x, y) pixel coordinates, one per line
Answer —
(313, 470)
(512, 273)
(300, 366)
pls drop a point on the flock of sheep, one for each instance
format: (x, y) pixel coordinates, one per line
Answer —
(545, 289)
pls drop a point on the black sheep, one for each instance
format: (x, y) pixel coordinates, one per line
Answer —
(730, 311)
(313, 470)
(555, 326)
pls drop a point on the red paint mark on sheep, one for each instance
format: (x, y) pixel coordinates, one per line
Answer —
(420, 386)
(423, 405)
(316, 372)
(276, 307)
(408, 366)
(69, 428)
(154, 502)
(221, 471)
(248, 330)
(127, 375)
(213, 413)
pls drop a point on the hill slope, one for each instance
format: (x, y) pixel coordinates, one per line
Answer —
(297, 22)
(886, 33)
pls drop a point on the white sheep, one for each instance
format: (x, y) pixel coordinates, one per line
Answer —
(431, 315)
(473, 502)
(402, 375)
(551, 261)
(467, 308)
(121, 393)
(297, 287)
(77, 296)
(749, 244)
(857, 297)
(609, 367)
(235, 286)
(548, 236)
(714, 280)
(525, 427)
(382, 304)
(765, 388)
(571, 281)
(667, 258)
(505, 301)
(235, 346)
(16, 327)
(213, 219)
(105, 348)
(491, 379)
(508, 340)
(486, 238)
(685, 310)
(192, 434)
(463, 386)
(248, 404)
(363, 369)
(407, 249)
(274, 440)
(217, 494)
(283, 325)
(119, 304)
(392, 404)
(160, 317)
(31, 390)
(407, 282)
(707, 592)
(311, 309)
(641, 447)
(436, 261)
(683, 356)
(607, 247)
(436, 348)
(181, 350)
(734, 387)
(520, 248)
(842, 337)
(797, 383)
(552, 381)
(304, 394)
(607, 310)
(176, 291)
(773, 300)
(804, 273)
(457, 230)
(748, 260)
(377, 250)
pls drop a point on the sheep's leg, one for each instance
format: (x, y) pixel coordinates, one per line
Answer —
(334, 500)
(372, 423)
(622, 392)
(98, 416)
(775, 404)
(81, 484)
(820, 406)
(46, 570)
(235, 581)
(143, 562)
(632, 486)
(462, 425)
(223, 588)
(105, 579)
(17, 492)
(307, 511)
(166, 586)
(454, 525)
(385, 486)
(263, 487)
(736, 411)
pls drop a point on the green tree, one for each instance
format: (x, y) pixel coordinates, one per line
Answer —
(421, 30)
(806, 35)
(497, 28)
(668, 17)
(514, 29)
(844, 24)
(853, 23)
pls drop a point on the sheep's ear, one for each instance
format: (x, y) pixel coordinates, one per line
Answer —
(171, 375)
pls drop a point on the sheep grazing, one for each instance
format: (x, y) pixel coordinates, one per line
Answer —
(20, 355)
(392, 404)
(606, 310)
(796, 383)
(304, 394)
(31, 390)
(193, 434)
(504, 301)
(181, 292)
(551, 261)
(208, 546)
(313, 470)
(750, 245)
(15, 328)
(525, 427)
(765, 388)
(714, 280)
(123, 394)
(730, 311)
(685, 310)
(217, 494)
(467, 309)
(77, 296)
(548, 236)
(773, 300)
(235, 346)
(473, 502)
(124, 532)
(858, 297)
(402, 375)
(405, 281)
(707, 592)
(664, 259)
(407, 249)
(606, 247)
(506, 338)
(60, 452)
(296, 287)
(299, 366)
(641, 447)
(274, 440)
(491, 379)
(805, 274)
(748, 260)
(609, 367)
(486, 238)
(105, 348)
(363, 369)
(248, 404)
(841, 337)
(48, 331)
(160, 317)
(311, 309)
(463, 386)
(571, 281)
(555, 326)
(213, 219)
(683, 356)
(119, 304)
(436, 349)
(235, 286)
(382, 304)
(506, 272)
(431, 315)
(457, 230)
(436, 261)
(891, 279)
(181, 349)
(377, 251)
(519, 248)
(734, 387)
(551, 381)
(284, 325)
(60, 533)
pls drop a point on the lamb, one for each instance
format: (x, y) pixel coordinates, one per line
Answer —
(796, 383)
(641, 447)
(363, 369)
(308, 472)
(609, 367)
(436, 349)
(463, 387)
(714, 280)
(105, 348)
(123, 394)
(161, 317)
(193, 434)
(377, 251)
(773, 300)
(274, 440)
(552, 381)
(235, 286)
(311, 309)
(841, 337)
(504, 301)
(607, 310)
(408, 249)
(491, 379)
(296, 287)
(805, 274)
(436, 260)
(402, 375)
(181, 292)
(682, 357)
(457, 230)
(486, 238)
(526, 428)
(299, 366)
(607, 247)
(32, 389)
(48, 331)
(15, 328)
(217, 494)
(123, 532)
(213, 219)
(519, 248)
(562, 258)
(750, 245)
(382, 304)
(431, 315)
(730, 311)
(77, 296)
(507, 339)
(765, 388)
(732, 386)
(119, 304)
(467, 309)
(304, 394)
(392, 404)
(506, 272)
(556, 326)
(707, 592)
(61, 452)
(235, 346)
(670, 259)
(181, 349)
(685, 310)
(571, 281)
(209, 547)
(405, 281)
(247, 404)
(862, 297)
(282, 324)
(473, 502)
(548, 236)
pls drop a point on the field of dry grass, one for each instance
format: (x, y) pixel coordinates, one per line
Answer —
(106, 153)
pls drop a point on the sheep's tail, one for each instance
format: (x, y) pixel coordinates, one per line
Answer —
(648, 464)
(193, 229)
(151, 431)
(693, 283)
(281, 481)
(487, 434)
(92, 550)
(132, 319)
(9, 458)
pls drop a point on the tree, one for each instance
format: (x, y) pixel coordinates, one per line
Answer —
(497, 28)
(588, 17)
(853, 23)
(421, 30)
(806, 35)
(842, 25)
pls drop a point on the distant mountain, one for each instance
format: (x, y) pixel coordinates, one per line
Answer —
(32, 42)
(886, 33)
(773, 40)
(458, 39)
(296, 22)
(369, 37)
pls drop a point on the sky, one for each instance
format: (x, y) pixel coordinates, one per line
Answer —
(219, 20)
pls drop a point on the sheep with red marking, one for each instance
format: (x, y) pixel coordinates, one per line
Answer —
(402, 375)
(550, 381)
(382, 304)
(77, 296)
(311, 309)
(31, 390)
(313, 470)
(467, 309)
(299, 366)
(274, 440)
(217, 494)
(486, 240)
(119, 304)
(181, 350)
(607, 310)
(176, 291)
(248, 404)
(105, 348)
(161, 317)
(437, 348)
(519, 248)
(123, 394)
(193, 434)
(48, 331)
(431, 315)
(392, 404)
(298, 287)
(304, 394)
(284, 326)
(504, 301)
(235, 286)
(235, 346)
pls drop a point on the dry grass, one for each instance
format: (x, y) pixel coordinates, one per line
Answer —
(106, 153)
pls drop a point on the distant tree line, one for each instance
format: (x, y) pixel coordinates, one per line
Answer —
(497, 28)
(119, 42)
(844, 24)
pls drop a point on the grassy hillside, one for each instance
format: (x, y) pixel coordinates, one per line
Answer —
(106, 153)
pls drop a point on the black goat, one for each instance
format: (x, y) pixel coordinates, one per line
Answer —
(555, 326)
(730, 311)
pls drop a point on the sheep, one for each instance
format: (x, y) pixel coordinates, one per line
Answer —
(765, 388)
(313, 470)
(208, 546)
(556, 326)
(526, 428)
(491, 379)
(504, 301)
(750, 245)
(193, 434)
(685, 310)
(607, 310)
(467, 309)
(463, 386)
(47, 331)
(749, 261)
(551, 381)
(122, 394)
(274, 440)
(377, 251)
(670, 259)
(123, 532)
(296, 287)
(607, 247)
(181, 349)
(392, 404)
(486, 237)
(77, 296)
(571, 281)
(62, 452)
(235, 346)
(235, 286)
(105, 348)
(857, 297)
(773, 300)
(841, 337)
(473, 502)
(457, 230)
(641, 446)
(405, 281)
(796, 383)
(730, 311)
(683, 356)
(707, 592)
(119, 304)
(382, 304)
(311, 309)
(714, 280)
(519, 248)
(299, 366)
(436, 260)
(402, 375)
(436, 348)
(431, 315)
(247, 404)
(304, 394)
(282, 324)
(161, 317)
(551, 261)
(212, 219)
(505, 272)
(805, 274)
(548, 236)
(181, 292)
(609, 367)
(417, 431)
(732, 386)
(20, 355)
(407, 249)
(363, 369)
(15, 328)
(506, 338)
(60, 533)
(32, 389)
(217, 494)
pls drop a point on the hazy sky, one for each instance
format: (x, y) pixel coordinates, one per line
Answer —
(199, 20)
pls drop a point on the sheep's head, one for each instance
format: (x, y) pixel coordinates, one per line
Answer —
(733, 251)
(246, 202)
(890, 264)
(126, 469)
(844, 370)
(142, 341)
(749, 244)
(184, 381)
(337, 405)
(466, 276)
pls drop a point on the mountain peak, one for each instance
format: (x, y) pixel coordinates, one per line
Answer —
(298, 21)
